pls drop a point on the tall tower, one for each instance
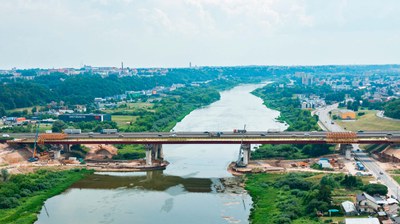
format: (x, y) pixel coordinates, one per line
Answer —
(122, 65)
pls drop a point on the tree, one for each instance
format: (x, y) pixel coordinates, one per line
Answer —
(58, 126)
(4, 174)
(376, 189)
(2, 111)
(324, 193)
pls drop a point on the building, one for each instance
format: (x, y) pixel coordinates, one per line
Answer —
(84, 117)
(362, 221)
(367, 203)
(324, 163)
(347, 115)
(349, 208)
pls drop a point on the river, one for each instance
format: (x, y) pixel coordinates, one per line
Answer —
(190, 190)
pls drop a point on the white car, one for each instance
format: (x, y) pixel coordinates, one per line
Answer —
(6, 135)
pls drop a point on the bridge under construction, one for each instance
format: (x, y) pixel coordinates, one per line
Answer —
(153, 141)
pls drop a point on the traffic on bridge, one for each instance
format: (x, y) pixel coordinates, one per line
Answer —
(211, 137)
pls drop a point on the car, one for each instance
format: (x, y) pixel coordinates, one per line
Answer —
(6, 135)
(380, 172)
(360, 131)
(263, 135)
(332, 122)
(206, 132)
(159, 135)
(121, 135)
(173, 135)
(306, 134)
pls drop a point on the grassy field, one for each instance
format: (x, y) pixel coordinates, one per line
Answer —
(131, 107)
(123, 120)
(370, 121)
(29, 109)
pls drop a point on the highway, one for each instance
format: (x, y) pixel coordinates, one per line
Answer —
(214, 137)
(370, 163)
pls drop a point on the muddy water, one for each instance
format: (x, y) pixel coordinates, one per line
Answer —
(190, 190)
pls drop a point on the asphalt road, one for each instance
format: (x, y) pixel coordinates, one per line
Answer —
(370, 163)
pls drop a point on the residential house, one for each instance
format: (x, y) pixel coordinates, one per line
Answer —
(366, 203)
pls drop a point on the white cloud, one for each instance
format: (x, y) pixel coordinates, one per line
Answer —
(56, 33)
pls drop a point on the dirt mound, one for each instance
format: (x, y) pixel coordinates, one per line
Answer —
(98, 152)
(11, 155)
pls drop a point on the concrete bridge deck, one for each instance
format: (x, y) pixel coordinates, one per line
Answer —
(259, 137)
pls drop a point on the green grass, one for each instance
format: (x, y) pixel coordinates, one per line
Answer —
(123, 121)
(31, 206)
(396, 178)
(130, 149)
(264, 206)
(371, 122)
(29, 109)
(131, 107)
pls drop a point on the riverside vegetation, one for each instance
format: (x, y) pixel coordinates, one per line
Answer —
(23, 195)
(283, 100)
(298, 198)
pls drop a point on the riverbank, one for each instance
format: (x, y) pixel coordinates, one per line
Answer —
(22, 202)
(125, 166)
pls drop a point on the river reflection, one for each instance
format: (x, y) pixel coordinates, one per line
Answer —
(151, 180)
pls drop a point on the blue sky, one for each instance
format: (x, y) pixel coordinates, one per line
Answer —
(172, 33)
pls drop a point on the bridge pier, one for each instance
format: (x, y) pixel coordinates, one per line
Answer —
(345, 149)
(66, 147)
(149, 148)
(246, 153)
(153, 151)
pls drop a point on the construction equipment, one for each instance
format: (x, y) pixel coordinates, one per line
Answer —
(239, 162)
(34, 156)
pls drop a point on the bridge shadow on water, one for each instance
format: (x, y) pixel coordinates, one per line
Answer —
(150, 180)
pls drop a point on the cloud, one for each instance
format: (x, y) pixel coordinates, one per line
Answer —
(56, 33)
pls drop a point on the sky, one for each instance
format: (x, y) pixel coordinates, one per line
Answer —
(173, 33)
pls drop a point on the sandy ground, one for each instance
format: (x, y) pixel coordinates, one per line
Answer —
(98, 152)
(340, 165)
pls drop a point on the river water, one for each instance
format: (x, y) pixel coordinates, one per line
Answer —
(190, 190)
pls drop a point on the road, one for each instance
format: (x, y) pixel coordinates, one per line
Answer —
(370, 163)
(250, 137)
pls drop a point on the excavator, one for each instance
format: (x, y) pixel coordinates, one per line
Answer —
(34, 157)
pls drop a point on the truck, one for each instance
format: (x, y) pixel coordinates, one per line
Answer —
(239, 131)
(72, 131)
(109, 131)
(215, 134)
(273, 131)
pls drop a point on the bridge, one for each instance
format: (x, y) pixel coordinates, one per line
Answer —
(153, 141)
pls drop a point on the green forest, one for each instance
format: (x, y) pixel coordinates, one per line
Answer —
(283, 100)
(392, 109)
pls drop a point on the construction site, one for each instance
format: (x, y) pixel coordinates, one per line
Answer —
(24, 158)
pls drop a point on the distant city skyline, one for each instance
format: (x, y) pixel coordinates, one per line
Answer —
(174, 33)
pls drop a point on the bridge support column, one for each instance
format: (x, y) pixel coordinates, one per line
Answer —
(160, 152)
(66, 147)
(345, 149)
(149, 150)
(246, 153)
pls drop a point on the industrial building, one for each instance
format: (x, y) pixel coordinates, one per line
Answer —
(84, 117)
